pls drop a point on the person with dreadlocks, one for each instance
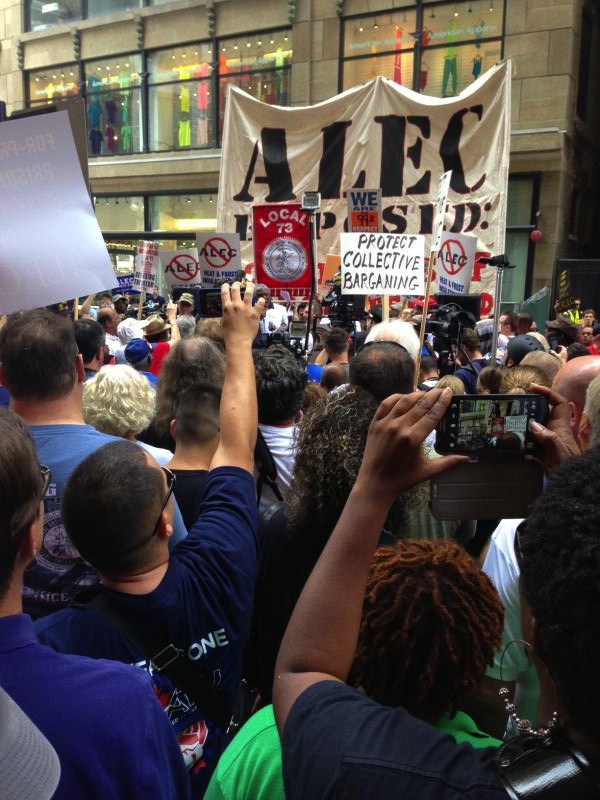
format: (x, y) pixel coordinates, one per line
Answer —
(431, 622)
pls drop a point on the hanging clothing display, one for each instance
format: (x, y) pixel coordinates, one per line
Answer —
(126, 137)
(96, 141)
(477, 62)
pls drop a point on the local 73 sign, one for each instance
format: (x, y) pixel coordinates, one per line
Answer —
(382, 136)
(282, 257)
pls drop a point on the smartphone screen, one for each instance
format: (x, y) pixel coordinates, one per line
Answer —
(491, 424)
(298, 330)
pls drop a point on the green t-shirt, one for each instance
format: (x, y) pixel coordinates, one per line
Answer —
(251, 766)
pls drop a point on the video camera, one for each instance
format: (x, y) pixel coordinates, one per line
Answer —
(343, 308)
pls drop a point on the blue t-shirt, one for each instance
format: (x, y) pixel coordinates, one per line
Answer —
(203, 605)
(101, 717)
(339, 743)
(58, 572)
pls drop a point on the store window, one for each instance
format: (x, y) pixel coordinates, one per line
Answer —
(123, 214)
(114, 111)
(434, 48)
(260, 64)
(522, 206)
(53, 83)
(460, 41)
(183, 212)
(101, 8)
(181, 98)
(43, 14)
(380, 45)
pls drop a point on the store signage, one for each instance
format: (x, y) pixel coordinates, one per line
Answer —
(282, 246)
(42, 188)
(379, 135)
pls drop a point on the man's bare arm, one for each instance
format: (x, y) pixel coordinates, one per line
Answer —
(238, 416)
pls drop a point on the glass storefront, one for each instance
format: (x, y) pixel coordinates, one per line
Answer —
(436, 49)
(114, 111)
(180, 98)
(53, 83)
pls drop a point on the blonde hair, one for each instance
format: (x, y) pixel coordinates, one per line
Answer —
(518, 379)
(118, 400)
(453, 382)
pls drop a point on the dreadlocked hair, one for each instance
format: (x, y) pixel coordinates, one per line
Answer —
(331, 442)
(431, 623)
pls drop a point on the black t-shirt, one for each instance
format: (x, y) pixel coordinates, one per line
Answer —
(188, 490)
(338, 743)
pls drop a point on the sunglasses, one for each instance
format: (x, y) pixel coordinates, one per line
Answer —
(46, 478)
(170, 485)
(521, 527)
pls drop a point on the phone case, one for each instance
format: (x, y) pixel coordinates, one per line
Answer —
(487, 489)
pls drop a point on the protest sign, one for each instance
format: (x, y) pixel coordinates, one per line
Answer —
(42, 192)
(380, 135)
(219, 257)
(439, 211)
(282, 246)
(147, 264)
(384, 263)
(181, 268)
(125, 283)
(454, 262)
(364, 210)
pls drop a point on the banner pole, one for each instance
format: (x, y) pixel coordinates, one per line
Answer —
(432, 257)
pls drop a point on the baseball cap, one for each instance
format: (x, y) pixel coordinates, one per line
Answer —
(137, 350)
(186, 297)
(518, 347)
(117, 297)
(29, 765)
(130, 328)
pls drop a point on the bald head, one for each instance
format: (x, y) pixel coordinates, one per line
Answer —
(572, 381)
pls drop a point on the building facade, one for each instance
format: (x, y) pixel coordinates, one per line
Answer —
(152, 78)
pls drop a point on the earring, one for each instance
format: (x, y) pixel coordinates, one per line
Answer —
(524, 726)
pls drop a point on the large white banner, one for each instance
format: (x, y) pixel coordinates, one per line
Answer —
(51, 248)
(379, 135)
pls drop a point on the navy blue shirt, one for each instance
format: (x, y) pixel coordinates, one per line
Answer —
(203, 605)
(102, 718)
(337, 743)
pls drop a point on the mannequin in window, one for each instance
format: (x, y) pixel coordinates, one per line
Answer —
(96, 138)
(450, 69)
(184, 132)
(477, 64)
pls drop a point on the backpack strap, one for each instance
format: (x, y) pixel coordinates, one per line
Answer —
(267, 469)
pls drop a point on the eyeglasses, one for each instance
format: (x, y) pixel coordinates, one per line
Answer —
(46, 478)
(170, 485)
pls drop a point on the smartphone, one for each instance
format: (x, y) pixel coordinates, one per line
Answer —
(210, 302)
(491, 425)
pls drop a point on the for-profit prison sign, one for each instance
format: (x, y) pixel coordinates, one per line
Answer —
(382, 263)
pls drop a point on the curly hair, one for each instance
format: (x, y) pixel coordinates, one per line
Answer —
(118, 400)
(560, 577)
(431, 623)
(190, 361)
(331, 442)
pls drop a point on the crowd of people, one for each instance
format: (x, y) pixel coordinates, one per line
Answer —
(220, 576)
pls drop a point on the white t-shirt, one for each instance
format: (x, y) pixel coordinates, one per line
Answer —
(501, 567)
(282, 445)
(274, 318)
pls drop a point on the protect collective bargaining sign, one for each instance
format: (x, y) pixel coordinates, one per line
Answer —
(382, 136)
(382, 263)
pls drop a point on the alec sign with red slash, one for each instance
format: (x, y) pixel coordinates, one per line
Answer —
(282, 246)
(181, 268)
(218, 257)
